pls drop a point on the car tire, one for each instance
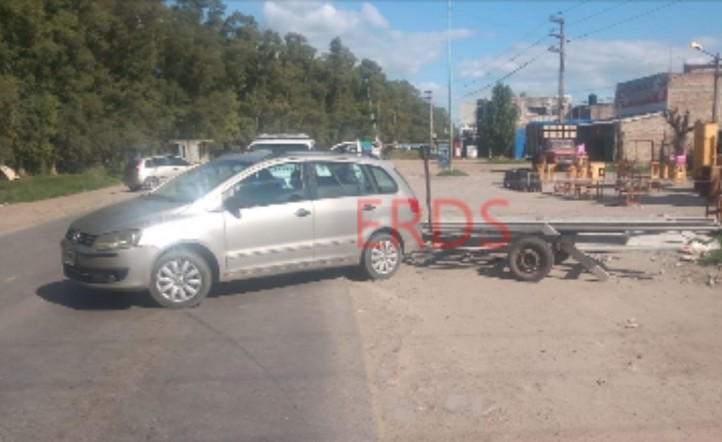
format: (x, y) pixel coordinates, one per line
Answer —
(180, 279)
(382, 256)
(530, 259)
(151, 182)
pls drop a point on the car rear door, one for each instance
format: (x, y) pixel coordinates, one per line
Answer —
(340, 191)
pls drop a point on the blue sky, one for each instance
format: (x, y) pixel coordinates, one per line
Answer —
(610, 41)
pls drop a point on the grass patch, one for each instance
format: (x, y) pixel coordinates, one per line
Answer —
(504, 160)
(715, 256)
(39, 188)
(452, 172)
(402, 154)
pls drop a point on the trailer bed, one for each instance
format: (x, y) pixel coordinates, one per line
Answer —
(533, 246)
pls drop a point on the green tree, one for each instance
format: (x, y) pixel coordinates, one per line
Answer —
(86, 83)
(498, 122)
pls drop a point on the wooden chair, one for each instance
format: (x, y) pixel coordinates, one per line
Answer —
(551, 171)
(655, 175)
(622, 168)
(714, 198)
(680, 173)
(541, 170)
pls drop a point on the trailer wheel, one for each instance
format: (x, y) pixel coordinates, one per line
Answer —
(530, 259)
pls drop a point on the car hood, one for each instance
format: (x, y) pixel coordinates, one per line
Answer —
(134, 213)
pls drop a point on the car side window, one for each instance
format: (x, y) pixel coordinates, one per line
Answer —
(279, 184)
(175, 161)
(160, 162)
(384, 182)
(336, 180)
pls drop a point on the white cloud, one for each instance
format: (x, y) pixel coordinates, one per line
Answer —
(366, 33)
(591, 66)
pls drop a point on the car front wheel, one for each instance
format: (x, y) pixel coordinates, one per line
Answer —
(180, 278)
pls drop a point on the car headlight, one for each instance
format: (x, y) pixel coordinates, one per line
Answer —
(117, 240)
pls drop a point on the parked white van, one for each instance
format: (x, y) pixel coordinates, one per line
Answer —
(280, 143)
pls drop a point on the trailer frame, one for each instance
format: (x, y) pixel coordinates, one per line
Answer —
(533, 247)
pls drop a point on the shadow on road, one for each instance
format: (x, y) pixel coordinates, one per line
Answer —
(75, 296)
(72, 295)
(258, 284)
(495, 265)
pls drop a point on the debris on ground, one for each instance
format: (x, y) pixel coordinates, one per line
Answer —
(711, 280)
(698, 247)
(629, 323)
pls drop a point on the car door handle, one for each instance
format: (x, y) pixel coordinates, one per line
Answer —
(303, 212)
(368, 207)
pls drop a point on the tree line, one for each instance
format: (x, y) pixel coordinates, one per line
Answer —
(87, 83)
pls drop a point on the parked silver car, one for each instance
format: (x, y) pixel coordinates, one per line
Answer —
(244, 215)
(150, 172)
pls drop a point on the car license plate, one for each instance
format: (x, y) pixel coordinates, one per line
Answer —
(69, 257)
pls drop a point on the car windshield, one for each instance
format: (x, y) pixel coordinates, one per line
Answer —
(198, 181)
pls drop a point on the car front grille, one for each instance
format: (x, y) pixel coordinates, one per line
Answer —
(78, 237)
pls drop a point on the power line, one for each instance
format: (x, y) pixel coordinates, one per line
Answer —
(521, 40)
(598, 13)
(541, 39)
(613, 25)
(509, 74)
(627, 20)
(507, 50)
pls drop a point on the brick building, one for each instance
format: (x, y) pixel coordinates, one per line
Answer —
(640, 105)
(592, 110)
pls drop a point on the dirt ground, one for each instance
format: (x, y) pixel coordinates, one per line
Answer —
(462, 352)
(459, 351)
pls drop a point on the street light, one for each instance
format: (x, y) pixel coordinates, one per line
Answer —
(716, 58)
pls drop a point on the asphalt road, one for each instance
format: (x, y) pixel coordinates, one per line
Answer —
(266, 360)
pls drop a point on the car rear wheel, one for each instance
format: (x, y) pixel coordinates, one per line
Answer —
(382, 256)
(151, 182)
(180, 278)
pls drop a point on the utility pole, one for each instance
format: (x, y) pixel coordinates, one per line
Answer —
(451, 120)
(371, 106)
(426, 152)
(428, 96)
(560, 50)
(715, 100)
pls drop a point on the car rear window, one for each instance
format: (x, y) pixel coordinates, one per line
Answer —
(175, 161)
(384, 182)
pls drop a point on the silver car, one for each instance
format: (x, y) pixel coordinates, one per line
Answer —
(246, 215)
(150, 172)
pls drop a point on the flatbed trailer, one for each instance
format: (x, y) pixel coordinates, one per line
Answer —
(533, 247)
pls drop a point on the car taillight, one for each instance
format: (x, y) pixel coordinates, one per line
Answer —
(138, 164)
(414, 205)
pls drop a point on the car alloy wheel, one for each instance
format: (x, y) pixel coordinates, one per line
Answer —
(382, 256)
(180, 278)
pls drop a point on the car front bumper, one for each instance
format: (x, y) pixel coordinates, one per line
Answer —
(127, 269)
